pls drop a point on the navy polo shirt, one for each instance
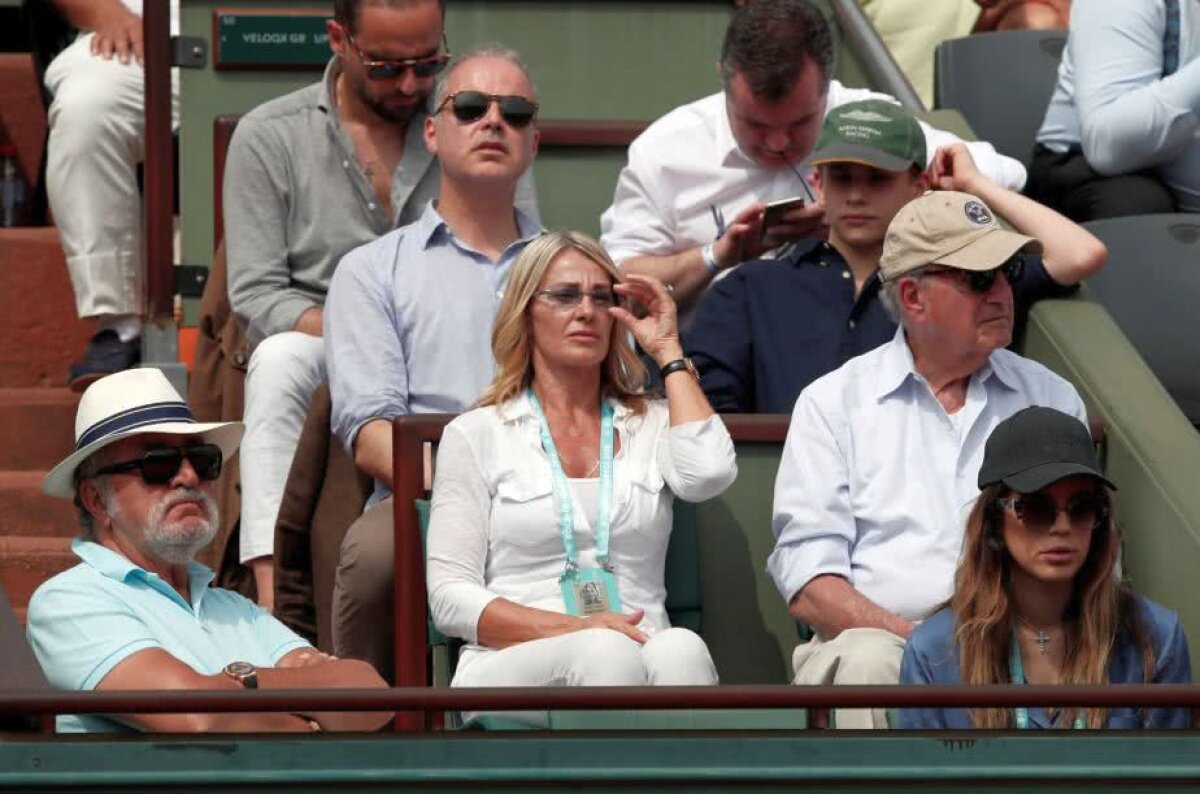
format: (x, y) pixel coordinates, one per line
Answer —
(773, 326)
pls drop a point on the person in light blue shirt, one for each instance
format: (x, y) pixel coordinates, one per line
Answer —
(1038, 597)
(1121, 135)
(138, 613)
(879, 465)
(409, 316)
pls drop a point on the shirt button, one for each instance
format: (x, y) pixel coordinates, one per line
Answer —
(345, 163)
(845, 274)
(851, 324)
(371, 206)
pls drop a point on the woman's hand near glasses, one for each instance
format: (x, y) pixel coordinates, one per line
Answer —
(658, 331)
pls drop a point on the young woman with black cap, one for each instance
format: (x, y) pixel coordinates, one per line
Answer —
(1037, 595)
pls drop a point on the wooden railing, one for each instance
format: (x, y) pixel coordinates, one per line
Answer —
(429, 699)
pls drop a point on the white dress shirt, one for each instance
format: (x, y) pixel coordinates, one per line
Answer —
(688, 162)
(493, 527)
(876, 480)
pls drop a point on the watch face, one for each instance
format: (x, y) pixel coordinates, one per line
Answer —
(239, 669)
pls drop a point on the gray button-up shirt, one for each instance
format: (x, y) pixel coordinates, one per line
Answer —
(296, 200)
(408, 324)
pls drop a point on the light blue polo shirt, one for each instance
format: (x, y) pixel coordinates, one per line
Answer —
(84, 621)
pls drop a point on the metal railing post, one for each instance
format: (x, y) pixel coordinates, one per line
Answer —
(160, 339)
(876, 58)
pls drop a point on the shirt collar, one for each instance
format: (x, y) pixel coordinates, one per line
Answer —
(728, 151)
(431, 228)
(519, 409)
(119, 568)
(327, 99)
(897, 367)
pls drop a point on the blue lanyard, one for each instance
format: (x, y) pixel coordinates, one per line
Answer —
(1017, 670)
(562, 493)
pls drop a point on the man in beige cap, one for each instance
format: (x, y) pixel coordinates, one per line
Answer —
(137, 612)
(881, 457)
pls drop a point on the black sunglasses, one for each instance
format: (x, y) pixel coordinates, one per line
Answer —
(982, 281)
(468, 106)
(1039, 511)
(159, 466)
(391, 69)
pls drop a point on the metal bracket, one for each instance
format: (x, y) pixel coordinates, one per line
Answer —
(189, 52)
(190, 280)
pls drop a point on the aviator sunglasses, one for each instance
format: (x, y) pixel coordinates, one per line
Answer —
(391, 69)
(565, 298)
(1038, 511)
(469, 106)
(982, 281)
(159, 466)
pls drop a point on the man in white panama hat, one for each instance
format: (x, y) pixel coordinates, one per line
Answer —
(138, 612)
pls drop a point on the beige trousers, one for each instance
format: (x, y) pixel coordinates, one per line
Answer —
(363, 592)
(856, 656)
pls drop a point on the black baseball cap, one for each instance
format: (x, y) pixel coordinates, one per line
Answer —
(1037, 446)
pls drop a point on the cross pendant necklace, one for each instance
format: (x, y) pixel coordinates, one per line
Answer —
(1043, 639)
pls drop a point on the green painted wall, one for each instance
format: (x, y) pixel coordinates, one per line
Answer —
(629, 60)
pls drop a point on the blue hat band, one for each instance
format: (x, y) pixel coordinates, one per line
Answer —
(143, 415)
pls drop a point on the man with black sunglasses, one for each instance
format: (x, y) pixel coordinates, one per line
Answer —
(409, 316)
(309, 177)
(771, 327)
(880, 463)
(137, 612)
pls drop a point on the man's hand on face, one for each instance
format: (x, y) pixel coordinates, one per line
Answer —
(953, 168)
(745, 238)
(119, 34)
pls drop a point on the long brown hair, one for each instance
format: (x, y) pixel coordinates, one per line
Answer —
(622, 375)
(1101, 611)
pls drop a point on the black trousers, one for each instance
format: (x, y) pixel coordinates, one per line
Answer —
(1067, 183)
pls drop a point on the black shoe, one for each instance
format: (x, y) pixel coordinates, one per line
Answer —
(105, 354)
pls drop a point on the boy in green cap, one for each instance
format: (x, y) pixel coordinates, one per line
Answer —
(771, 327)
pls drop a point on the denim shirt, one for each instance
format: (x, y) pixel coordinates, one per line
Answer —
(931, 657)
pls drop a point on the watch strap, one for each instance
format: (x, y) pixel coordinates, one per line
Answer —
(674, 366)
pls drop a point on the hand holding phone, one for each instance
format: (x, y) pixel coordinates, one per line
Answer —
(775, 211)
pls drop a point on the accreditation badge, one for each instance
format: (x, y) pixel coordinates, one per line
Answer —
(590, 591)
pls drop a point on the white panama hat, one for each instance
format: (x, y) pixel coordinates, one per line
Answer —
(130, 403)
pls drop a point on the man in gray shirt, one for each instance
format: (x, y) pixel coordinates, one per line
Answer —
(409, 316)
(309, 176)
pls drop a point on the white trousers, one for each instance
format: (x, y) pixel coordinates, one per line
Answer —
(97, 120)
(856, 656)
(284, 371)
(592, 657)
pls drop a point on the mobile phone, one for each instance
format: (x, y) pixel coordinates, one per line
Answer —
(773, 214)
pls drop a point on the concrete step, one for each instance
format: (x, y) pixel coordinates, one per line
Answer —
(38, 428)
(25, 510)
(27, 562)
(21, 112)
(39, 333)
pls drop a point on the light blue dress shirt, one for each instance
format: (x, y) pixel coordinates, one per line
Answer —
(86, 620)
(876, 480)
(408, 324)
(931, 657)
(1113, 101)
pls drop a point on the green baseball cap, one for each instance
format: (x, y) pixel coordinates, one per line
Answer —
(873, 132)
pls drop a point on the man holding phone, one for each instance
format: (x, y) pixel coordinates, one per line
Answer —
(690, 201)
(772, 327)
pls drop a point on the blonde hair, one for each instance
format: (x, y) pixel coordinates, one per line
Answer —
(1102, 610)
(622, 374)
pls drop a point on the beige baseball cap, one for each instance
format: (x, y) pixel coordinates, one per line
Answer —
(944, 227)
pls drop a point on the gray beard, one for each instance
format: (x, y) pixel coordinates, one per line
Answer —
(177, 542)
